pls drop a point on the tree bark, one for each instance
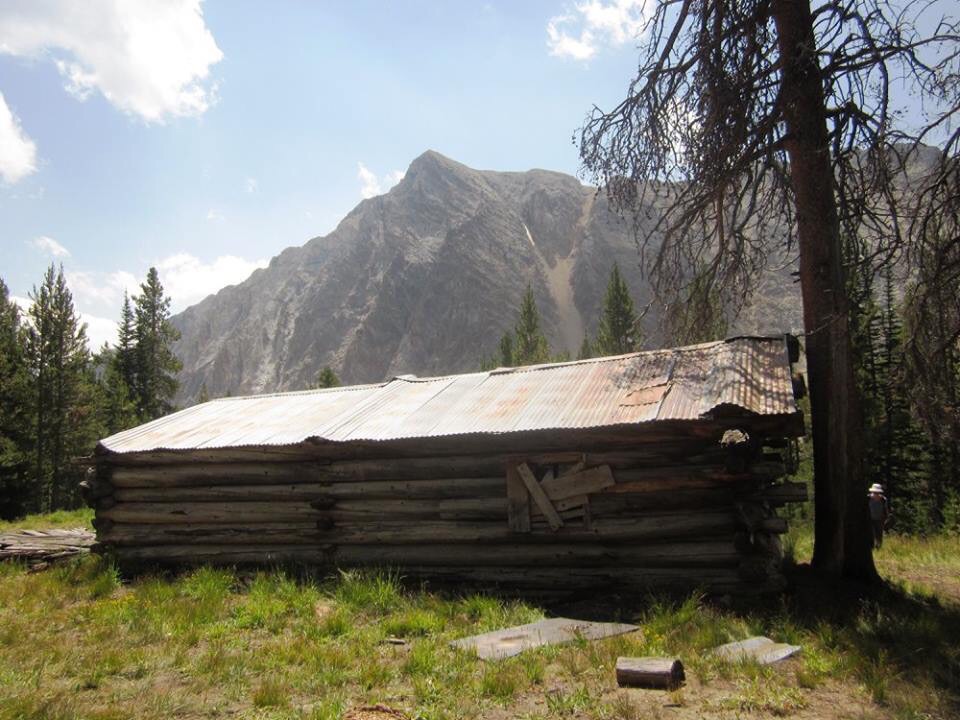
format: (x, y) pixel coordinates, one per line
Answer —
(842, 539)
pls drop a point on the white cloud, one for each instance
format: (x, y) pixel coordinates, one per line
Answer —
(18, 153)
(214, 216)
(371, 185)
(100, 330)
(251, 185)
(594, 24)
(151, 59)
(187, 279)
(104, 290)
(50, 246)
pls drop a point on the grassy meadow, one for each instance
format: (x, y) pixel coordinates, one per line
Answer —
(76, 642)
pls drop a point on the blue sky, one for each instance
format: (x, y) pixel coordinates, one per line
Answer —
(205, 138)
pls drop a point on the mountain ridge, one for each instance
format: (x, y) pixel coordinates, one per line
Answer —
(423, 279)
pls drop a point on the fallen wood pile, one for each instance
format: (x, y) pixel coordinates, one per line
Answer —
(45, 546)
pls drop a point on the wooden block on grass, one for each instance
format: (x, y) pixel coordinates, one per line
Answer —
(650, 672)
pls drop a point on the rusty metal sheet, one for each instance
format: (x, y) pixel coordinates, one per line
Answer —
(751, 374)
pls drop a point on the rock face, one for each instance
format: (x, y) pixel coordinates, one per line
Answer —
(424, 280)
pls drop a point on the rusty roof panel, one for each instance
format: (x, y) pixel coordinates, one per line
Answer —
(751, 374)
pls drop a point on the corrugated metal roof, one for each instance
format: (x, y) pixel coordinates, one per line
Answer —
(675, 384)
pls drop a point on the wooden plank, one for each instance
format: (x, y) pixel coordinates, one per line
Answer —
(518, 502)
(579, 465)
(539, 497)
(584, 482)
(650, 672)
(42, 546)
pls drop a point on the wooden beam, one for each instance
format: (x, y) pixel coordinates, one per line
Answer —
(583, 482)
(650, 672)
(518, 502)
(539, 496)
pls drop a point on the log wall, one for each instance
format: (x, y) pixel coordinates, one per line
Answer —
(682, 515)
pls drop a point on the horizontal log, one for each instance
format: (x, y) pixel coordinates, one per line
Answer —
(690, 473)
(379, 489)
(280, 492)
(663, 501)
(651, 527)
(782, 494)
(285, 533)
(278, 454)
(234, 513)
(194, 472)
(717, 553)
(201, 474)
(272, 554)
(650, 672)
(464, 508)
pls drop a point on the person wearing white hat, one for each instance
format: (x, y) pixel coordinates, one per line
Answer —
(879, 512)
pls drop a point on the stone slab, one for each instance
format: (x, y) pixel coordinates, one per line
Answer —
(762, 649)
(512, 641)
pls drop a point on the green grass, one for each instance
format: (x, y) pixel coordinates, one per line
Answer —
(60, 519)
(76, 642)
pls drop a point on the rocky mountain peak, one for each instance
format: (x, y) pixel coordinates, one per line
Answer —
(423, 280)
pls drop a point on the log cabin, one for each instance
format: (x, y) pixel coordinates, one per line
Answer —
(660, 469)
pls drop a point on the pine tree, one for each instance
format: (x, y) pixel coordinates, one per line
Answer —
(15, 420)
(125, 358)
(530, 345)
(118, 409)
(505, 350)
(618, 332)
(326, 378)
(64, 408)
(586, 349)
(204, 395)
(156, 365)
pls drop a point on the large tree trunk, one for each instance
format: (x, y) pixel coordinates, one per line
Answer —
(842, 543)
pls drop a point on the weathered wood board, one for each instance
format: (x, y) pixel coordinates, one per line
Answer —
(511, 641)
(45, 545)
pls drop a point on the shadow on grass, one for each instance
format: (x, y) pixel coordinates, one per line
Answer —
(883, 629)
(902, 647)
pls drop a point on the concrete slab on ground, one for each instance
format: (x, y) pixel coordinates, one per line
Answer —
(762, 649)
(512, 641)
